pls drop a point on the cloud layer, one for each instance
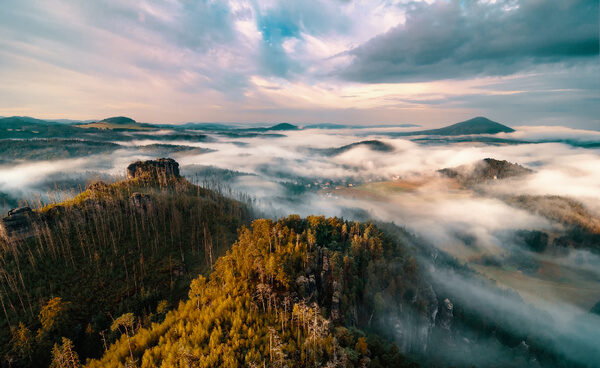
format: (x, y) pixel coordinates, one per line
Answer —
(462, 39)
(464, 223)
(305, 62)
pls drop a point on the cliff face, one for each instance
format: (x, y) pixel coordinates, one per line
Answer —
(413, 327)
(112, 248)
(161, 168)
(18, 223)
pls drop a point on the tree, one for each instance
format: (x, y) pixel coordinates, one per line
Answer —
(126, 320)
(361, 346)
(64, 356)
(22, 342)
(197, 289)
(163, 307)
(52, 316)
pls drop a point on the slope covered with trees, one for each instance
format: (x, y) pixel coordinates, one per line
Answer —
(297, 292)
(132, 246)
(319, 292)
(119, 277)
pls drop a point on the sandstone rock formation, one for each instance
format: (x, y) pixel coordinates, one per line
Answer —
(426, 321)
(18, 223)
(98, 186)
(161, 168)
(446, 314)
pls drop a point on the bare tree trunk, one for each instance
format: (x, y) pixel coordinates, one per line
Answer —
(5, 313)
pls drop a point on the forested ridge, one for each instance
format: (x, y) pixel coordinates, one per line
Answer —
(129, 247)
(296, 292)
(143, 273)
(327, 292)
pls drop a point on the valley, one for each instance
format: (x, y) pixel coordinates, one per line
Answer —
(300, 184)
(554, 276)
(318, 211)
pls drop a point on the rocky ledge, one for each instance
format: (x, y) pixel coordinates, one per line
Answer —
(161, 168)
(18, 223)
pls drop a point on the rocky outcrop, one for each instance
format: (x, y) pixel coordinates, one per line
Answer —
(161, 168)
(444, 324)
(485, 170)
(412, 327)
(303, 288)
(307, 288)
(500, 169)
(446, 313)
(335, 306)
(426, 320)
(55, 211)
(98, 186)
(18, 223)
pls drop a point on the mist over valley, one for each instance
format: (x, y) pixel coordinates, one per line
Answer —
(290, 184)
(521, 216)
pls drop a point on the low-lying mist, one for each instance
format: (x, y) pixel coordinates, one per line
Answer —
(297, 173)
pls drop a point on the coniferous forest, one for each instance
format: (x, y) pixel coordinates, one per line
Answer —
(128, 247)
(286, 184)
(143, 273)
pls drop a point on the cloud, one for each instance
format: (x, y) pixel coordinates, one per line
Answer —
(462, 39)
(287, 26)
(264, 60)
(547, 133)
(566, 329)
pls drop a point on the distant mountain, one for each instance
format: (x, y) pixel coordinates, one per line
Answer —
(373, 145)
(478, 125)
(71, 121)
(119, 120)
(279, 127)
(20, 121)
(208, 126)
(283, 126)
(328, 126)
(566, 211)
(118, 123)
(29, 120)
(22, 127)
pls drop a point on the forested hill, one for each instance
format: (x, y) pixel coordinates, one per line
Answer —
(478, 125)
(68, 269)
(141, 273)
(295, 293)
(485, 170)
(324, 292)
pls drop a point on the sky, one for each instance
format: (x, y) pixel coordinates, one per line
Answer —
(432, 63)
